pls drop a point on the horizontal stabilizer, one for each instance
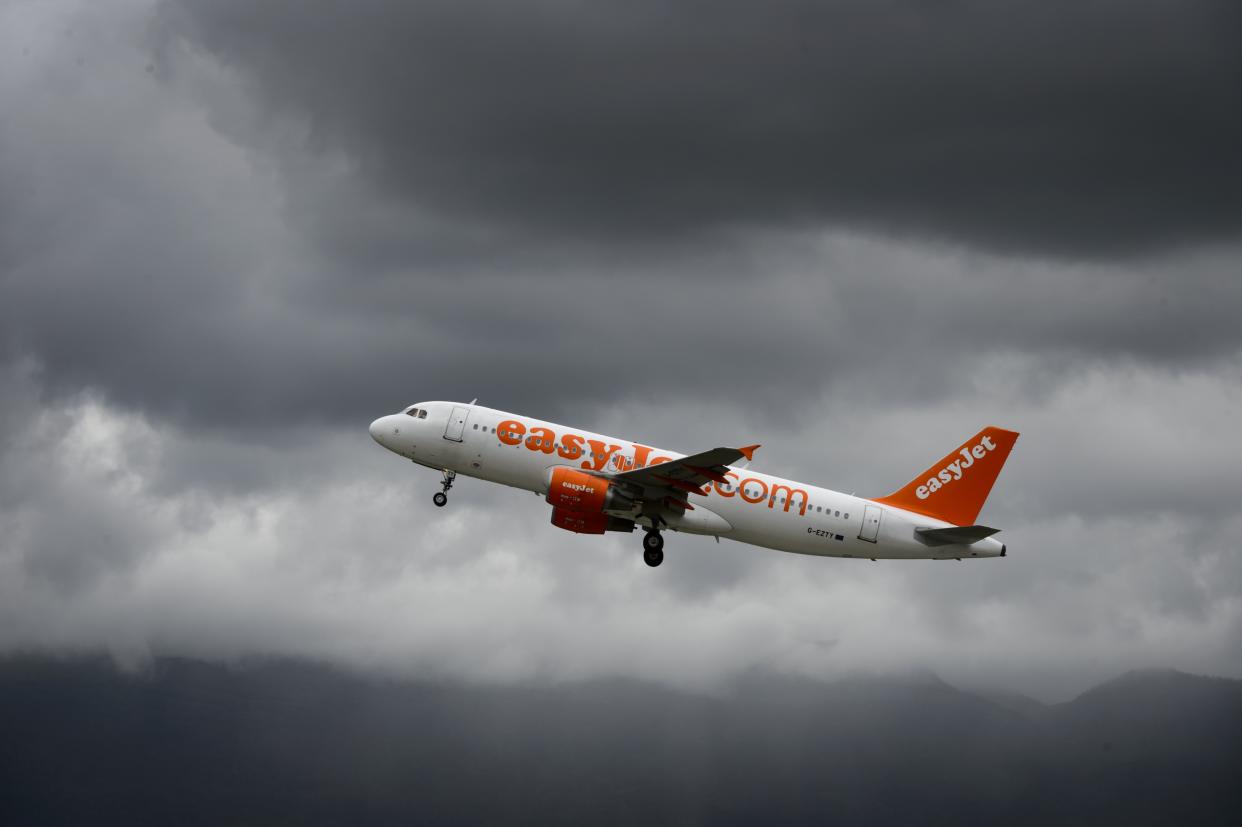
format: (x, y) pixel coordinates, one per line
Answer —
(962, 535)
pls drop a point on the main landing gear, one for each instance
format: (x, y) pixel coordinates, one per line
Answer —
(441, 497)
(653, 547)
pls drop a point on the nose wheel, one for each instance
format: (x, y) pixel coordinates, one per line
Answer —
(441, 497)
(653, 548)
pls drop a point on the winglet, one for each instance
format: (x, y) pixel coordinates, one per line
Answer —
(748, 452)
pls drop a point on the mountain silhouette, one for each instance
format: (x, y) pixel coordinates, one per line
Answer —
(293, 742)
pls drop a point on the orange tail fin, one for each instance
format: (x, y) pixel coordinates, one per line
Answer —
(955, 488)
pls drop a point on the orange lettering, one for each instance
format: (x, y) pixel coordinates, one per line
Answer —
(544, 440)
(789, 497)
(659, 460)
(571, 446)
(641, 452)
(758, 497)
(721, 491)
(599, 456)
(510, 431)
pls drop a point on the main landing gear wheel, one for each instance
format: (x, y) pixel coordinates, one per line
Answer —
(653, 548)
(441, 497)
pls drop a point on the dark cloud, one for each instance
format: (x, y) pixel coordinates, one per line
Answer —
(1048, 127)
(298, 742)
(235, 233)
(310, 213)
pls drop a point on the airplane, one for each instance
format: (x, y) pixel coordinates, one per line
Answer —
(596, 483)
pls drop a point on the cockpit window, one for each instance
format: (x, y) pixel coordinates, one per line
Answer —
(417, 413)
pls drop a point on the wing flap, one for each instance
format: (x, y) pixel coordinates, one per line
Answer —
(687, 475)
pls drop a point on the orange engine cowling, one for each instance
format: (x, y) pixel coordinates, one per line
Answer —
(571, 490)
(582, 522)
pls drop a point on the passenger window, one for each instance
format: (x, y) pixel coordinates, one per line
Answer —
(819, 508)
(847, 516)
(838, 514)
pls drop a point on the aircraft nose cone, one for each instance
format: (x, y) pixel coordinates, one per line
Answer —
(375, 430)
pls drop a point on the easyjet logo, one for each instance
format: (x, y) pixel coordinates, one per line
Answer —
(755, 490)
(574, 486)
(596, 454)
(957, 469)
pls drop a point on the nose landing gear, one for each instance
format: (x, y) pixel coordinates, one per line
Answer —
(653, 548)
(441, 497)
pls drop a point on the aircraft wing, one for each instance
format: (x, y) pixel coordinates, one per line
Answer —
(672, 481)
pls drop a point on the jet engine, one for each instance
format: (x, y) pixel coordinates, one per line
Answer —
(580, 522)
(572, 490)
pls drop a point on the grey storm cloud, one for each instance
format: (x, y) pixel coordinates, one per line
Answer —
(251, 214)
(234, 233)
(1054, 128)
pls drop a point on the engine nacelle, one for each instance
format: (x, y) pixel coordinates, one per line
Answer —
(581, 522)
(572, 490)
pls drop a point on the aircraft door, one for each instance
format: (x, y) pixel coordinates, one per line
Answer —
(871, 523)
(456, 424)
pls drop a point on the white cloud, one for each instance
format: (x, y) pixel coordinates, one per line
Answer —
(186, 333)
(348, 560)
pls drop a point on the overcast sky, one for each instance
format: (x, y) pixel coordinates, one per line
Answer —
(233, 232)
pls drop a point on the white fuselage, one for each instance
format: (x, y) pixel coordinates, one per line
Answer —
(751, 507)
